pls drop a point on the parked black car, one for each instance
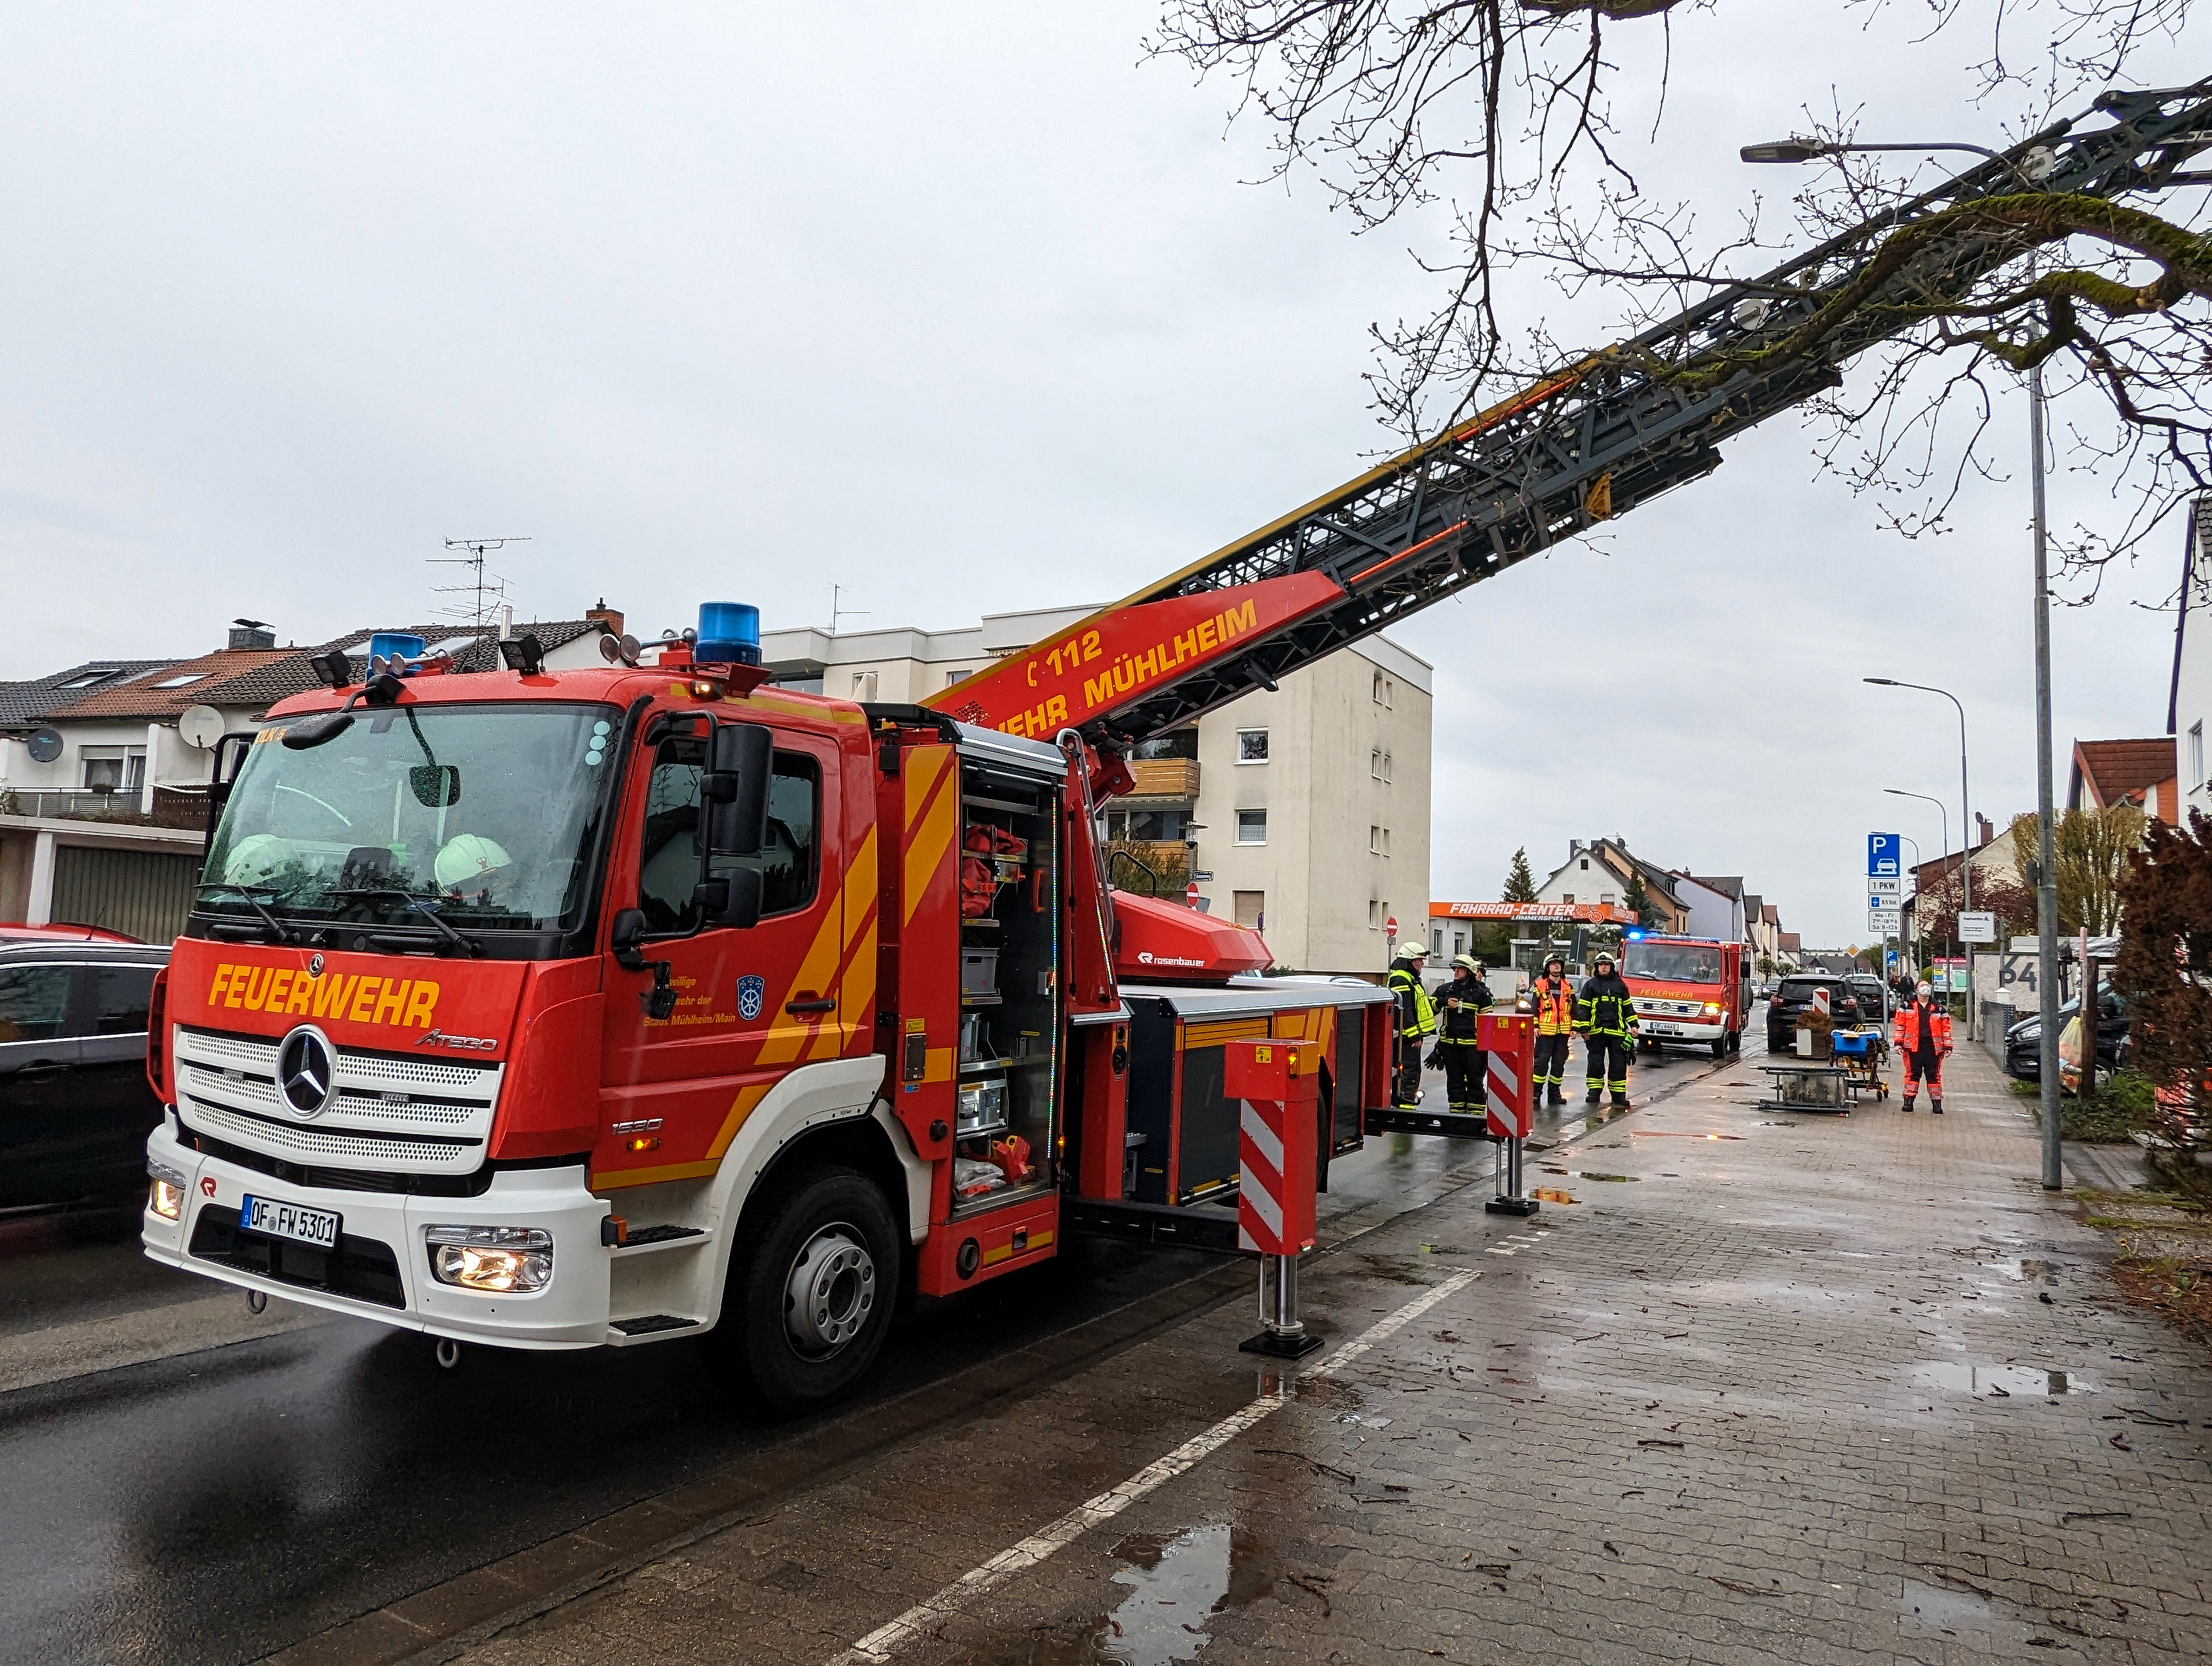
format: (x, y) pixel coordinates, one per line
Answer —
(1794, 994)
(2024, 1040)
(1873, 996)
(75, 1104)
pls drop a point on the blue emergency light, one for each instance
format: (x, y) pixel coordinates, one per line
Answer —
(729, 634)
(396, 648)
(1633, 934)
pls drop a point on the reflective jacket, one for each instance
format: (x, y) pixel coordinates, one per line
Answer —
(1605, 1008)
(1473, 995)
(1555, 1007)
(1417, 1013)
(1905, 1030)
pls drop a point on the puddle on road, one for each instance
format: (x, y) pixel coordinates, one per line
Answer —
(1673, 1134)
(1931, 1609)
(1174, 1586)
(2027, 1270)
(1999, 1382)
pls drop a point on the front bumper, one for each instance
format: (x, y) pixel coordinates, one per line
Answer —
(570, 1312)
(1680, 1029)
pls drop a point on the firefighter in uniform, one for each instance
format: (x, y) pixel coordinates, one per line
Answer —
(1605, 1016)
(1417, 1022)
(1555, 1026)
(1921, 1031)
(1465, 1065)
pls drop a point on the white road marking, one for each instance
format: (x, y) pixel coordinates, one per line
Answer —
(925, 1616)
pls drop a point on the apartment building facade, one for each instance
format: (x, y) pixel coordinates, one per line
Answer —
(1302, 812)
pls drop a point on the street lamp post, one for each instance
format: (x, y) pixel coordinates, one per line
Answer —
(1898, 792)
(2033, 165)
(1966, 827)
(1915, 844)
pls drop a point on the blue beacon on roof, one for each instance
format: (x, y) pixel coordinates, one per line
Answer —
(729, 634)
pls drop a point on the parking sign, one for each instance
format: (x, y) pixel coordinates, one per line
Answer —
(1884, 852)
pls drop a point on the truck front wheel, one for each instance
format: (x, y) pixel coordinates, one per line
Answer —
(810, 1291)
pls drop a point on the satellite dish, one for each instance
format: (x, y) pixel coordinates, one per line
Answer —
(200, 726)
(44, 745)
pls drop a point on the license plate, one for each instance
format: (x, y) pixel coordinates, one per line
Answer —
(1663, 1029)
(273, 1218)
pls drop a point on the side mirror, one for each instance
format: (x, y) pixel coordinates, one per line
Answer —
(229, 757)
(315, 731)
(730, 899)
(624, 934)
(735, 789)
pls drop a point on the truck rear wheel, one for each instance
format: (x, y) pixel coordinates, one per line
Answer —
(810, 1291)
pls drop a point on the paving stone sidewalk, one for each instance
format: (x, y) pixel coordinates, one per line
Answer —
(1774, 1387)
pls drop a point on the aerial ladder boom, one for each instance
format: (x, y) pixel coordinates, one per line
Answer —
(1576, 448)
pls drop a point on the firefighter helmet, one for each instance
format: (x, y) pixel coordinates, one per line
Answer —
(469, 860)
(1603, 957)
(1414, 951)
(1469, 962)
(255, 859)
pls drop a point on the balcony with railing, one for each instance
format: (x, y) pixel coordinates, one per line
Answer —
(1164, 778)
(172, 807)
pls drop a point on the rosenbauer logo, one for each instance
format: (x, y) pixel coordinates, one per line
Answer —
(1147, 958)
(406, 1003)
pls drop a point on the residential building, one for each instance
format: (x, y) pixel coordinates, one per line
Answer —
(1304, 811)
(1996, 861)
(2137, 772)
(1600, 871)
(2189, 696)
(103, 797)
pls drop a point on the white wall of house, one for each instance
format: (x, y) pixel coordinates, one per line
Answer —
(2192, 674)
(1712, 913)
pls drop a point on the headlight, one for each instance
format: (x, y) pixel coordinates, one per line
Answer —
(1712, 1009)
(166, 1199)
(2031, 1032)
(498, 1259)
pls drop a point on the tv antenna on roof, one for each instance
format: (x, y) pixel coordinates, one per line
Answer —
(837, 611)
(483, 592)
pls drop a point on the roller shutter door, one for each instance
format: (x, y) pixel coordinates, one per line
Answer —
(142, 893)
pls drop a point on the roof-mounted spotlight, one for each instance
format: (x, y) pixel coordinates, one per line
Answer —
(333, 670)
(524, 653)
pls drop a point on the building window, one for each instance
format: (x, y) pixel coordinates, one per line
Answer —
(1569, 898)
(1251, 908)
(2195, 756)
(959, 676)
(112, 769)
(864, 685)
(188, 678)
(1147, 826)
(1382, 689)
(1251, 746)
(1374, 763)
(1585, 864)
(1374, 914)
(1386, 766)
(1374, 840)
(1606, 897)
(1176, 742)
(1251, 827)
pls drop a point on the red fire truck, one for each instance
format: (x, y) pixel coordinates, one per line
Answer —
(614, 1006)
(1692, 991)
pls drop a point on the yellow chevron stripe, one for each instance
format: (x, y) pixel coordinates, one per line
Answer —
(932, 815)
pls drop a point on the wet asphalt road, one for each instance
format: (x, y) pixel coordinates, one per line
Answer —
(217, 1505)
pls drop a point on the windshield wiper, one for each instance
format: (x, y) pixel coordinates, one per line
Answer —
(277, 928)
(421, 905)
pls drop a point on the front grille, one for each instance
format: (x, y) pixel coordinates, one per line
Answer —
(390, 1113)
(364, 1269)
(350, 1180)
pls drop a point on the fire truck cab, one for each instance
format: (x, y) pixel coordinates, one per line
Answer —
(608, 1007)
(1689, 991)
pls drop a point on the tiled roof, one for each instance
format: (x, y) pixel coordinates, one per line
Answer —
(21, 702)
(1728, 885)
(256, 679)
(2114, 770)
(144, 697)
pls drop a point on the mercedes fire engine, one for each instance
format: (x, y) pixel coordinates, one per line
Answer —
(1689, 991)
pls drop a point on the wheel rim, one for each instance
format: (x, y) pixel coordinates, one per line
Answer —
(830, 1292)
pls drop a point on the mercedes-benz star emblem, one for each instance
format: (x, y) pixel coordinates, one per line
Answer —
(303, 1072)
(314, 965)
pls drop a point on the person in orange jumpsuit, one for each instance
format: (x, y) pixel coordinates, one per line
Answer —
(1922, 1033)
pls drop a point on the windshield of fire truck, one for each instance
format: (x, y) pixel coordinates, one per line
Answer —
(1674, 963)
(489, 814)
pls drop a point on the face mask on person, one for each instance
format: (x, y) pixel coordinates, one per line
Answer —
(1922, 990)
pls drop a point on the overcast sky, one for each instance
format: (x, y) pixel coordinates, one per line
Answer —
(963, 307)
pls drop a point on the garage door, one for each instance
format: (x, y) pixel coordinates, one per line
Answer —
(141, 893)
